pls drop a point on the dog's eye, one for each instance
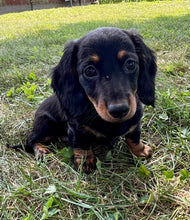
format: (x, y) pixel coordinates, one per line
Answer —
(90, 71)
(130, 64)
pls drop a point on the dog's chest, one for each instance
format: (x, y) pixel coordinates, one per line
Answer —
(101, 128)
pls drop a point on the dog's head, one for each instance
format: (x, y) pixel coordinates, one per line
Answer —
(109, 67)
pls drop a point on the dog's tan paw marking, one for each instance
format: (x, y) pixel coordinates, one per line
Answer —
(86, 158)
(40, 151)
(147, 152)
(140, 150)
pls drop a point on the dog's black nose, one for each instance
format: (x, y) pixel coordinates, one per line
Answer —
(118, 110)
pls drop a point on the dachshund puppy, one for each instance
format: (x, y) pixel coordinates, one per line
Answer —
(99, 85)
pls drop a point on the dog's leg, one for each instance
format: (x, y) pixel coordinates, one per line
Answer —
(80, 140)
(45, 130)
(137, 147)
(85, 158)
(40, 151)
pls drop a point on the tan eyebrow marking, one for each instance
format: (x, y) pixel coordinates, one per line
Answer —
(121, 54)
(95, 58)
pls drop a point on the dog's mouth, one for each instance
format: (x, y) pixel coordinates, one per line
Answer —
(115, 112)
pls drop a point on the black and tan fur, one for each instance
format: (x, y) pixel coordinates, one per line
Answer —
(99, 86)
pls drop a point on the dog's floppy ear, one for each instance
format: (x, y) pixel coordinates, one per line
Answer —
(147, 69)
(66, 84)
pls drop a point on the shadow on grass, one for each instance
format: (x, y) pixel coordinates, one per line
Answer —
(160, 29)
(46, 46)
(43, 49)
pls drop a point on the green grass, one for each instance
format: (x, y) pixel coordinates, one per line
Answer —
(123, 187)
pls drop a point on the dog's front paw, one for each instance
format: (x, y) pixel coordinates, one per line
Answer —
(140, 150)
(40, 152)
(147, 151)
(86, 159)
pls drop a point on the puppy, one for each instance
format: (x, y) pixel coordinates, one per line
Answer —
(99, 86)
